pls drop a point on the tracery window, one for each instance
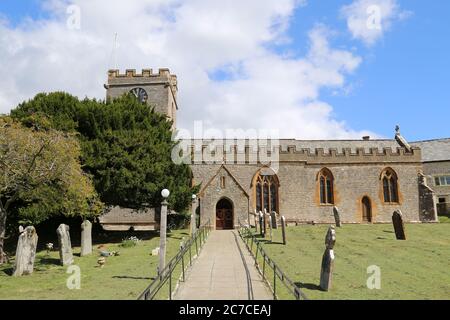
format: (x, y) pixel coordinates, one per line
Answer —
(266, 192)
(326, 186)
(390, 185)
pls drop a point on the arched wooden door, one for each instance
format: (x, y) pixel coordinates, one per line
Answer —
(224, 215)
(366, 210)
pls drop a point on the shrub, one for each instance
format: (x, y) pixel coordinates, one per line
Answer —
(129, 242)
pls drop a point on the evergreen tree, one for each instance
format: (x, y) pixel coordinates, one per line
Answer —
(126, 147)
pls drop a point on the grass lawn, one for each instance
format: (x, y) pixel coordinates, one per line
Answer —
(418, 268)
(123, 277)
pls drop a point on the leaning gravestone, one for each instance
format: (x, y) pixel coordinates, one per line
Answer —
(283, 229)
(25, 252)
(274, 220)
(337, 216)
(326, 273)
(65, 247)
(399, 227)
(86, 238)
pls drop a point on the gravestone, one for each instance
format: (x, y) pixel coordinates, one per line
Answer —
(25, 252)
(274, 220)
(399, 227)
(326, 273)
(194, 215)
(283, 229)
(337, 216)
(270, 228)
(86, 238)
(65, 246)
(261, 222)
(265, 221)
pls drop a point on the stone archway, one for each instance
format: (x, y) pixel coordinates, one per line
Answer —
(224, 214)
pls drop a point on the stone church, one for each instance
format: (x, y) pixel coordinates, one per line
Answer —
(367, 179)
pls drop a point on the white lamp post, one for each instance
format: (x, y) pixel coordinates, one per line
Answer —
(163, 231)
(194, 215)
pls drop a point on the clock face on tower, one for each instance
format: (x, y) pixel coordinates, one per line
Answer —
(140, 94)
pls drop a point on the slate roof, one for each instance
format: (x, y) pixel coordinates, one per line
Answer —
(434, 150)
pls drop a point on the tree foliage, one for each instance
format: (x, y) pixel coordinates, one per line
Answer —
(41, 176)
(126, 147)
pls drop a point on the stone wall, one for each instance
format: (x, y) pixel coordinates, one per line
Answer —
(299, 196)
(439, 168)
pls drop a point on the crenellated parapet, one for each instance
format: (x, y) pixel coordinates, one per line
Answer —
(163, 74)
(251, 153)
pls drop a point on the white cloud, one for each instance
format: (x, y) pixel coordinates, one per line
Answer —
(193, 39)
(368, 20)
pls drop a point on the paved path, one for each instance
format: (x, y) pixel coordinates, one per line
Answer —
(224, 270)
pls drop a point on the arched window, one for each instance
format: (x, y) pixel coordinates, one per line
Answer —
(390, 185)
(265, 185)
(326, 186)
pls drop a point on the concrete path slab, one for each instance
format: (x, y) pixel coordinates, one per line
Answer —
(224, 270)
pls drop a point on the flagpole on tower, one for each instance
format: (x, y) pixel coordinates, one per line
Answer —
(115, 51)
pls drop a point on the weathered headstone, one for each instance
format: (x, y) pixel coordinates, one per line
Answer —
(86, 238)
(283, 229)
(25, 252)
(261, 222)
(337, 216)
(265, 221)
(399, 227)
(65, 246)
(194, 215)
(326, 273)
(274, 220)
(270, 228)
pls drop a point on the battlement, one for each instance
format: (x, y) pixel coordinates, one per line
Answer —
(163, 74)
(292, 153)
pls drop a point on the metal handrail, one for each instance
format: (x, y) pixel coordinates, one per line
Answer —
(198, 239)
(277, 272)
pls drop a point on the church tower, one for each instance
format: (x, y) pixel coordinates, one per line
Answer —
(158, 90)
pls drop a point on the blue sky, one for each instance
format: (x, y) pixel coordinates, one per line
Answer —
(403, 78)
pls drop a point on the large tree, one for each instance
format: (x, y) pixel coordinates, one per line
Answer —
(126, 146)
(40, 170)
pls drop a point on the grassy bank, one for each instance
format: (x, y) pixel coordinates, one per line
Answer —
(123, 277)
(417, 268)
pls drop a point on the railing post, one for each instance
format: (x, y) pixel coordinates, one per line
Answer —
(190, 254)
(170, 281)
(274, 282)
(264, 264)
(182, 266)
(196, 246)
